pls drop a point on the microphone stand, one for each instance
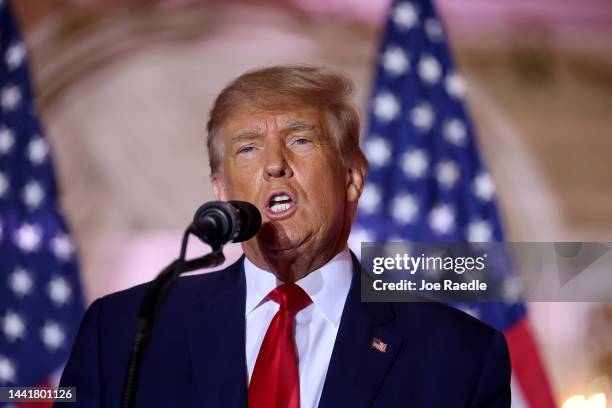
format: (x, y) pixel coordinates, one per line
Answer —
(154, 298)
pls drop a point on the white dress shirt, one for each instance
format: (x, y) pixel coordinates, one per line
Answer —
(316, 326)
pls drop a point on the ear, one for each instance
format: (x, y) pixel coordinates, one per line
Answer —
(219, 187)
(355, 180)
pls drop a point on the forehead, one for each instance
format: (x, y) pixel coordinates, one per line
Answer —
(262, 121)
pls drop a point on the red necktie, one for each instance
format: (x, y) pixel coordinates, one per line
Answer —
(275, 382)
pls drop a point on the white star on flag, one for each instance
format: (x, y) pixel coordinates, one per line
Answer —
(7, 140)
(484, 187)
(395, 61)
(479, 231)
(386, 107)
(359, 235)
(52, 335)
(429, 69)
(404, 208)
(455, 85)
(4, 184)
(405, 16)
(370, 198)
(62, 247)
(15, 54)
(20, 282)
(455, 132)
(13, 326)
(422, 116)
(37, 150)
(59, 290)
(28, 237)
(447, 173)
(10, 96)
(378, 151)
(415, 163)
(33, 194)
(362, 235)
(442, 219)
(7, 370)
(398, 238)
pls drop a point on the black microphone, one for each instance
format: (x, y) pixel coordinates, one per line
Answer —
(219, 222)
(216, 223)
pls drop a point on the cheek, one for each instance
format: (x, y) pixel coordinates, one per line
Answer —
(245, 192)
(243, 185)
(327, 194)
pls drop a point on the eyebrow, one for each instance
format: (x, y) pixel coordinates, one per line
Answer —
(254, 132)
(297, 126)
(248, 134)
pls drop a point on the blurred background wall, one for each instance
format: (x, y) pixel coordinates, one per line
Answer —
(124, 90)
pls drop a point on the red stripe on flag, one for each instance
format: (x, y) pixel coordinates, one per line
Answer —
(527, 366)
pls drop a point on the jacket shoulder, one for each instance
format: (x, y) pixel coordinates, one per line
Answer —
(186, 287)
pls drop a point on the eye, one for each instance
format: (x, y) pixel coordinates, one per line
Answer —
(301, 141)
(246, 149)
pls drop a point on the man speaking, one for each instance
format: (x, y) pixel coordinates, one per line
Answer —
(284, 326)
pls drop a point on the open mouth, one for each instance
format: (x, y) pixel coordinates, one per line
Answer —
(280, 204)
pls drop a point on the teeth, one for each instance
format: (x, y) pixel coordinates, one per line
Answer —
(282, 197)
(277, 208)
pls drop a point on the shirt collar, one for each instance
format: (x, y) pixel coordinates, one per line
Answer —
(327, 286)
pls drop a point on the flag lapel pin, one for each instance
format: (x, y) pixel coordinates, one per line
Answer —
(379, 345)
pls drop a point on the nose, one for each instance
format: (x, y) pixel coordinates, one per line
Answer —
(275, 161)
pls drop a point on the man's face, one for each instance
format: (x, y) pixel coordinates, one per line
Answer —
(285, 164)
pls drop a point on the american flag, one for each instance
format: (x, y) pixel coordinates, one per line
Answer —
(40, 296)
(379, 345)
(427, 182)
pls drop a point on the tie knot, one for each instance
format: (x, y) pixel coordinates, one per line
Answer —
(290, 296)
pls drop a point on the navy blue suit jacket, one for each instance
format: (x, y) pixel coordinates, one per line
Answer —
(435, 356)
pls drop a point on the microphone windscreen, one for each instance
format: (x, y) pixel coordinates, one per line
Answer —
(250, 220)
(215, 222)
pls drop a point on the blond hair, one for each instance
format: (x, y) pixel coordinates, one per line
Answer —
(286, 87)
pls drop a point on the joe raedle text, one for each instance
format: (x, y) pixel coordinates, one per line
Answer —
(424, 285)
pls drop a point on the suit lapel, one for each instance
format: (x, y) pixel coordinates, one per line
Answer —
(357, 370)
(216, 338)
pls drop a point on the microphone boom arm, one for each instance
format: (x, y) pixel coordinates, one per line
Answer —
(215, 223)
(153, 300)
